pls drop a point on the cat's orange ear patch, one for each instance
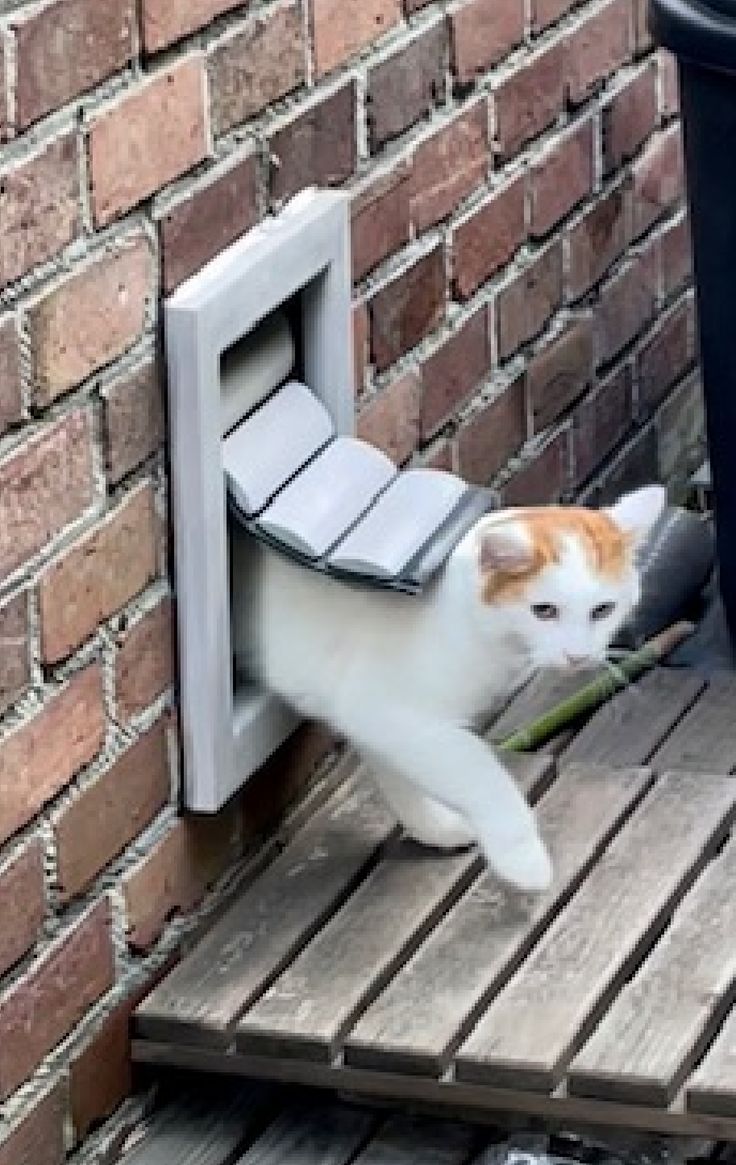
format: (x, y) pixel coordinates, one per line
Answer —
(506, 548)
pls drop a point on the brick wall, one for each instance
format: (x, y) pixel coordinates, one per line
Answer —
(522, 314)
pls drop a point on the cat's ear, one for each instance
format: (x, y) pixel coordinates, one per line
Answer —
(505, 548)
(636, 513)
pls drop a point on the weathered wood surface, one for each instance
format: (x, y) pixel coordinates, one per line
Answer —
(705, 739)
(203, 1126)
(537, 1023)
(712, 1087)
(419, 1019)
(657, 1027)
(406, 1140)
(314, 1134)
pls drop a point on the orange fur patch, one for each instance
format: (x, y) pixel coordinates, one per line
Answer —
(605, 546)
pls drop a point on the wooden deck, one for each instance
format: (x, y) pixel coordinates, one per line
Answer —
(358, 962)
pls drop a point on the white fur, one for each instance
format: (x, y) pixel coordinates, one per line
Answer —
(404, 678)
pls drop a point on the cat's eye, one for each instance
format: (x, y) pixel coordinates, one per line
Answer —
(602, 611)
(546, 611)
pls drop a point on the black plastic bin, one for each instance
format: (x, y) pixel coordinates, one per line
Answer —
(702, 35)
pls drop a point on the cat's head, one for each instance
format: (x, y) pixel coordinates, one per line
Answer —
(564, 578)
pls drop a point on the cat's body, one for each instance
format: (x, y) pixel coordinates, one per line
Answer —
(405, 678)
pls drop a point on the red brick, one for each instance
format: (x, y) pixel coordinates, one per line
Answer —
(380, 220)
(133, 420)
(408, 308)
(560, 373)
(22, 904)
(453, 372)
(667, 355)
(208, 220)
(318, 148)
(15, 669)
(448, 166)
(44, 485)
(340, 30)
(38, 1137)
(39, 208)
(101, 1077)
(658, 179)
(544, 478)
(156, 132)
(598, 240)
(440, 455)
(524, 306)
(406, 86)
(601, 422)
(145, 664)
(486, 240)
(361, 330)
(5, 132)
(626, 306)
(66, 48)
(176, 874)
(642, 36)
(629, 118)
(11, 394)
(493, 435)
(669, 84)
(680, 426)
(482, 33)
(597, 48)
(98, 576)
(546, 12)
(529, 99)
(562, 179)
(676, 256)
(90, 319)
(634, 466)
(166, 21)
(49, 1000)
(391, 420)
(255, 66)
(42, 756)
(109, 814)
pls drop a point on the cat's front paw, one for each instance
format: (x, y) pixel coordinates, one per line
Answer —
(525, 865)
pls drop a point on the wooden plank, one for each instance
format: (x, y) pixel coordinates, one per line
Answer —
(310, 1006)
(428, 1009)
(317, 1134)
(535, 1025)
(659, 1025)
(712, 1087)
(629, 728)
(204, 1126)
(407, 1140)
(271, 921)
(705, 739)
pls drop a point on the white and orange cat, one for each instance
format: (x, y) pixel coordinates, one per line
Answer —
(404, 679)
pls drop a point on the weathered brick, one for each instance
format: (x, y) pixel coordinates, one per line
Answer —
(39, 208)
(676, 256)
(453, 372)
(22, 904)
(361, 331)
(545, 477)
(107, 815)
(144, 667)
(15, 668)
(4, 112)
(255, 66)
(156, 132)
(166, 21)
(45, 1004)
(598, 240)
(98, 575)
(133, 420)
(546, 12)
(448, 166)
(483, 32)
(40, 758)
(529, 99)
(667, 355)
(208, 220)
(406, 86)
(629, 118)
(282, 779)
(642, 35)
(11, 395)
(90, 319)
(391, 420)
(101, 1077)
(560, 373)
(669, 84)
(680, 426)
(658, 179)
(597, 47)
(493, 435)
(38, 1137)
(44, 485)
(319, 147)
(176, 874)
(408, 308)
(524, 306)
(601, 422)
(562, 178)
(380, 220)
(67, 47)
(340, 30)
(486, 240)
(626, 305)
(635, 465)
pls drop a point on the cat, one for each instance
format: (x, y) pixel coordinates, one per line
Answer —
(404, 679)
